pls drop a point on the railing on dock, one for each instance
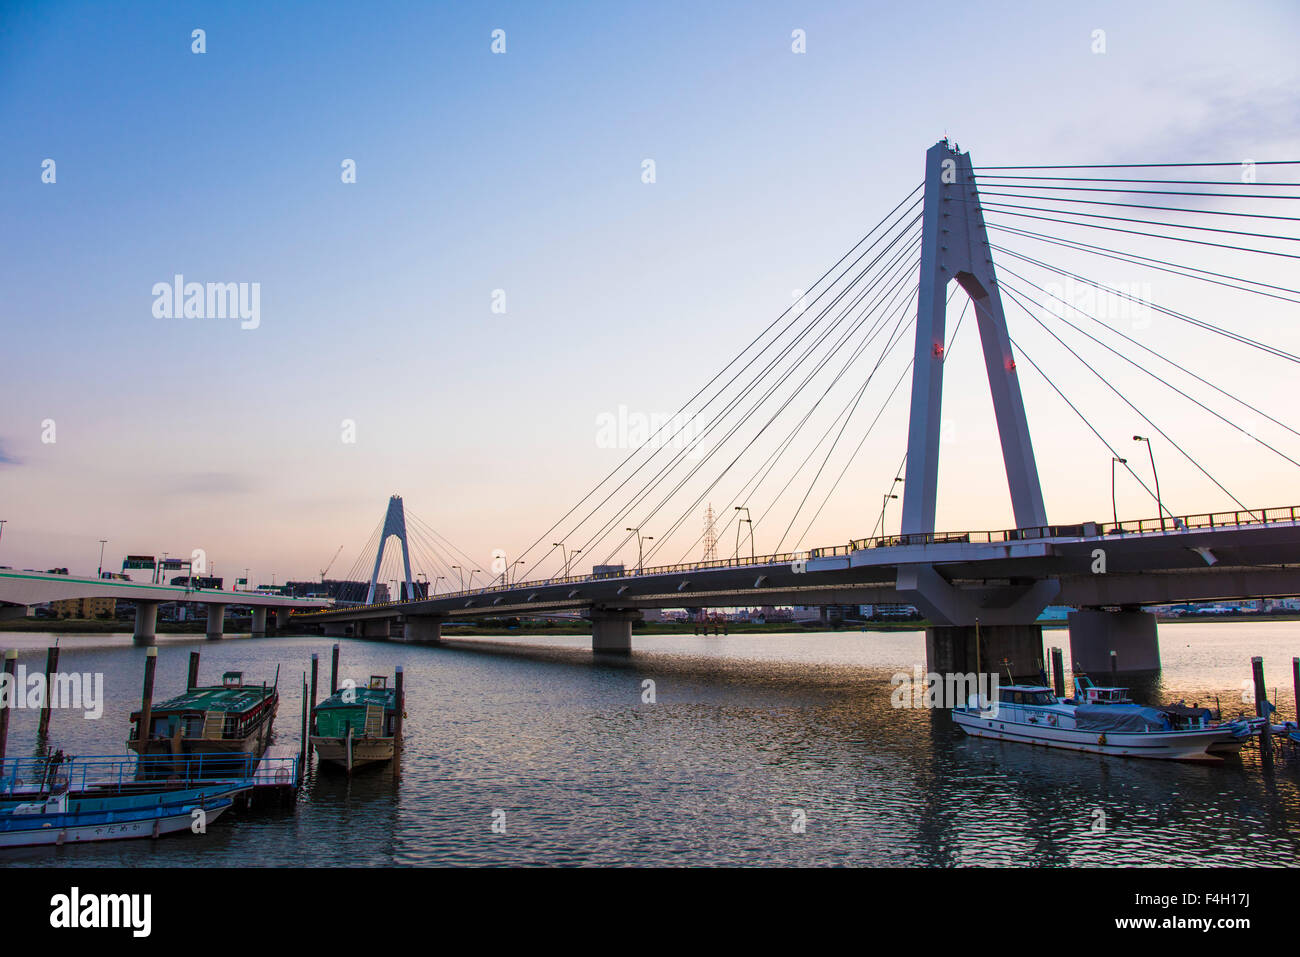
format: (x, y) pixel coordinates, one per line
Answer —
(21, 776)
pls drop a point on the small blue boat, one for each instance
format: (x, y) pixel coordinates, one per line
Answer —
(55, 821)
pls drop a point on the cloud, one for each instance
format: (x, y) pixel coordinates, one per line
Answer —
(6, 458)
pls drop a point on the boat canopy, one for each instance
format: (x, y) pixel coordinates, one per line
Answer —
(1093, 717)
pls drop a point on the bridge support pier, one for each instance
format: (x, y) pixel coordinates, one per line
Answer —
(282, 617)
(951, 650)
(611, 630)
(1130, 633)
(217, 621)
(423, 630)
(259, 622)
(146, 622)
(336, 629)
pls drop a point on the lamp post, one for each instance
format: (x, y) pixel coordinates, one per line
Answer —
(565, 556)
(745, 521)
(638, 548)
(883, 505)
(462, 576)
(517, 561)
(1156, 475)
(1114, 512)
(102, 543)
(471, 575)
(573, 555)
(435, 583)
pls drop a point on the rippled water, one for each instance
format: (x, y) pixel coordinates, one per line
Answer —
(746, 731)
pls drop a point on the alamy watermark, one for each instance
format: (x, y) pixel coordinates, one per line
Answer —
(953, 690)
(179, 299)
(76, 691)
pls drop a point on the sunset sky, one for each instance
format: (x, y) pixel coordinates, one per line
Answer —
(522, 172)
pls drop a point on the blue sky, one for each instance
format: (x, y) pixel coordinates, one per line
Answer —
(521, 172)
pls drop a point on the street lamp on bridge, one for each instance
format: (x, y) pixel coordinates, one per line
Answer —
(517, 561)
(745, 521)
(884, 503)
(565, 556)
(462, 576)
(1160, 509)
(102, 543)
(1114, 512)
(648, 538)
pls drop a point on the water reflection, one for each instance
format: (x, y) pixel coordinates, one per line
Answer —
(747, 738)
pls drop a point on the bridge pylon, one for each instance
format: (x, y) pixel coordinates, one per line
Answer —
(955, 246)
(394, 525)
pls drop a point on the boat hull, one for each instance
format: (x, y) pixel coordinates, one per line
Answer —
(365, 751)
(1208, 745)
(70, 832)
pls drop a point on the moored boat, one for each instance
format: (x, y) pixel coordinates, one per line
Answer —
(1101, 721)
(58, 819)
(355, 727)
(230, 718)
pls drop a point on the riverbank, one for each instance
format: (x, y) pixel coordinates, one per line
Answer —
(198, 627)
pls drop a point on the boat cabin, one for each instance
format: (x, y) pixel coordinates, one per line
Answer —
(232, 679)
(1039, 695)
(1088, 693)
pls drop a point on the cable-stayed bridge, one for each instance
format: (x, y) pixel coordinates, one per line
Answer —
(774, 430)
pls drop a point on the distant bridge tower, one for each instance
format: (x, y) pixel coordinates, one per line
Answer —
(955, 245)
(394, 524)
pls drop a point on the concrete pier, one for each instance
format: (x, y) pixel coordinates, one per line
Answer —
(146, 622)
(951, 650)
(611, 630)
(259, 622)
(217, 621)
(422, 629)
(282, 617)
(1130, 633)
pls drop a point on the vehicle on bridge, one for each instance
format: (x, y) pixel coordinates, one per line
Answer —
(1101, 721)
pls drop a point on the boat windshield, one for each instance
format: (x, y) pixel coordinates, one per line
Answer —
(1021, 696)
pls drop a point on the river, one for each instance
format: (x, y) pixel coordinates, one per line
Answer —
(764, 749)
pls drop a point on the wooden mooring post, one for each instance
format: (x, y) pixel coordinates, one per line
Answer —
(1261, 699)
(11, 665)
(192, 679)
(334, 669)
(302, 743)
(51, 666)
(399, 682)
(1058, 672)
(1295, 687)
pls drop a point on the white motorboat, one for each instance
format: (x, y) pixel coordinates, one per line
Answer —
(1102, 721)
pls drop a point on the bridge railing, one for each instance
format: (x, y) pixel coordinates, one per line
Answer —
(1264, 516)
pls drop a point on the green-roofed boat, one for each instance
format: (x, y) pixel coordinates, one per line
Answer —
(222, 719)
(355, 727)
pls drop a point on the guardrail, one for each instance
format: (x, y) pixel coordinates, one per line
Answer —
(1265, 516)
(21, 776)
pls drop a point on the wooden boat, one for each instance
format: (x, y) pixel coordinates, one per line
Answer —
(228, 718)
(59, 820)
(355, 727)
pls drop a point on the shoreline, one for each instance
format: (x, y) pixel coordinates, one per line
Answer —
(88, 627)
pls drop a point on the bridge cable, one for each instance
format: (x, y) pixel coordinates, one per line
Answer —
(719, 375)
(1126, 401)
(844, 338)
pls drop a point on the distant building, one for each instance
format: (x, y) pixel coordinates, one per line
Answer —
(84, 607)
